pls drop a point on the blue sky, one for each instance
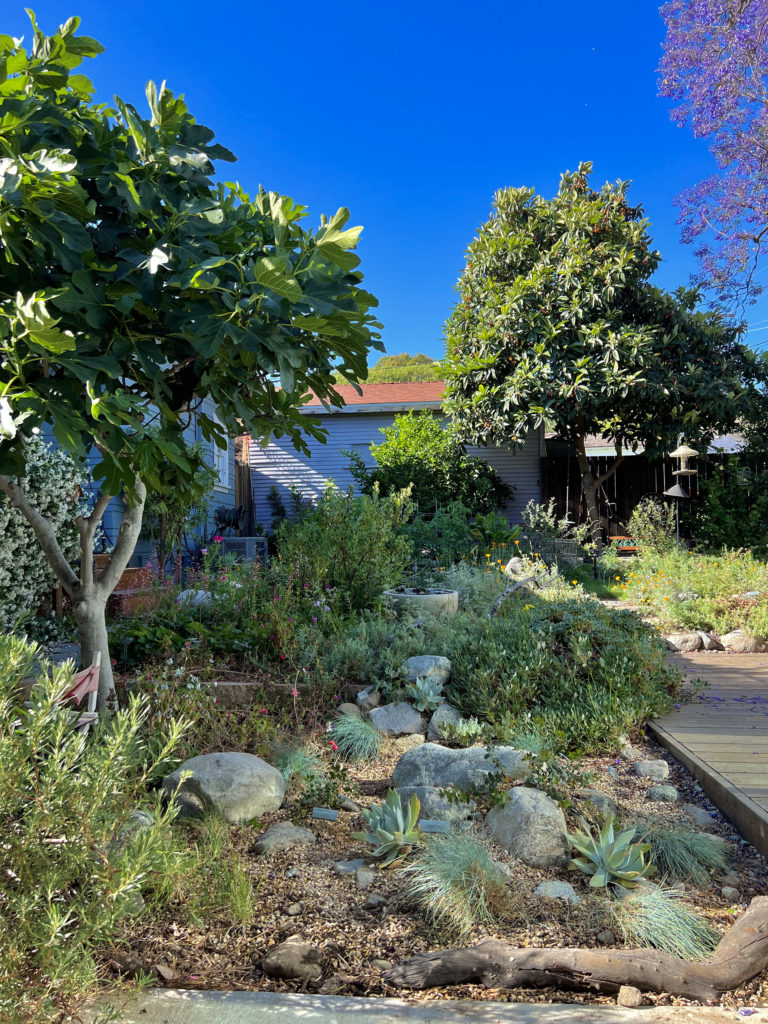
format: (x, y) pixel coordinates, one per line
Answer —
(412, 115)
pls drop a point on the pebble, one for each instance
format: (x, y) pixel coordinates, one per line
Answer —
(730, 878)
(348, 867)
(730, 894)
(698, 815)
(381, 965)
(629, 996)
(606, 937)
(295, 909)
(558, 891)
(291, 872)
(364, 877)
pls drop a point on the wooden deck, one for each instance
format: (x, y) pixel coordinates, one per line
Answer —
(722, 736)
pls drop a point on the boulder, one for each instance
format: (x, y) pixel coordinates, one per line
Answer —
(685, 642)
(663, 794)
(399, 719)
(530, 826)
(655, 770)
(446, 714)
(740, 643)
(282, 836)
(558, 891)
(434, 765)
(427, 666)
(435, 805)
(239, 786)
(604, 805)
(294, 958)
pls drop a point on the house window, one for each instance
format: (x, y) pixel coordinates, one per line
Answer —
(220, 461)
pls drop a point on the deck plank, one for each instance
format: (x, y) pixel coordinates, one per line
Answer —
(722, 736)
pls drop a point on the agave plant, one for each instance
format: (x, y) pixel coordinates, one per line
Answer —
(610, 857)
(392, 831)
(425, 693)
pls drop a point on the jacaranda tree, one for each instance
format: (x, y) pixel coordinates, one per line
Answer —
(557, 324)
(133, 286)
(715, 67)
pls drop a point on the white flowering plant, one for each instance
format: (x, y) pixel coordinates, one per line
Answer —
(54, 485)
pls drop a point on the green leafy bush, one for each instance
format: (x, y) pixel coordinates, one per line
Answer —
(349, 544)
(657, 918)
(459, 884)
(418, 452)
(72, 861)
(610, 858)
(731, 508)
(392, 829)
(652, 524)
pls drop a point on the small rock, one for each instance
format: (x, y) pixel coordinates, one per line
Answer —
(282, 836)
(349, 709)
(165, 973)
(604, 804)
(348, 867)
(294, 958)
(741, 643)
(381, 965)
(295, 909)
(656, 770)
(606, 937)
(364, 877)
(685, 642)
(397, 719)
(375, 901)
(709, 643)
(698, 815)
(367, 699)
(730, 894)
(446, 714)
(629, 996)
(427, 666)
(730, 878)
(345, 804)
(403, 743)
(663, 794)
(631, 754)
(291, 872)
(558, 891)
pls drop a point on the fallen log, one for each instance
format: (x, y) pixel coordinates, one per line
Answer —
(740, 956)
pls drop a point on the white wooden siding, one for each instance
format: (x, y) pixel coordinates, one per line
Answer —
(280, 465)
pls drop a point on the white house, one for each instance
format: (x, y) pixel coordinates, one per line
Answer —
(356, 426)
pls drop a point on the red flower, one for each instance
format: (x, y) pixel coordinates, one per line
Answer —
(332, 745)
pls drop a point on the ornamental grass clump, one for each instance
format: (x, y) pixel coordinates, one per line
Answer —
(610, 858)
(683, 853)
(357, 739)
(459, 884)
(392, 829)
(656, 917)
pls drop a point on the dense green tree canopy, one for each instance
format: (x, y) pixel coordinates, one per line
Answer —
(133, 287)
(557, 323)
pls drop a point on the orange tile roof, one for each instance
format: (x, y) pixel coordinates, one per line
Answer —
(390, 394)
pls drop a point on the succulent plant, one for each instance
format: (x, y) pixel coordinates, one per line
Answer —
(610, 857)
(393, 831)
(425, 693)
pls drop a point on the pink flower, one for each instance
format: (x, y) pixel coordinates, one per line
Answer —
(332, 745)
(262, 711)
(218, 539)
(295, 692)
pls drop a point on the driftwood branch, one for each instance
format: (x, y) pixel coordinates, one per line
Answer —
(740, 956)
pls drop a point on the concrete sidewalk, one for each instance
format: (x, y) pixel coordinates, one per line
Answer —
(186, 1006)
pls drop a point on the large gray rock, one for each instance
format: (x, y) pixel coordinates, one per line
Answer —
(399, 719)
(709, 643)
(434, 765)
(436, 806)
(740, 643)
(656, 770)
(427, 666)
(685, 642)
(446, 714)
(531, 827)
(238, 786)
(294, 958)
(282, 836)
